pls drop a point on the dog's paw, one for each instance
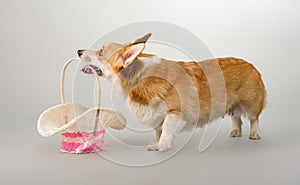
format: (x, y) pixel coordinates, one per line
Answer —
(153, 146)
(163, 146)
(254, 135)
(235, 133)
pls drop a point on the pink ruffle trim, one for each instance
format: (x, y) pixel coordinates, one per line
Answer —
(83, 142)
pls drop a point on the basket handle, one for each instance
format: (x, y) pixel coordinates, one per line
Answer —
(62, 80)
(62, 87)
(98, 100)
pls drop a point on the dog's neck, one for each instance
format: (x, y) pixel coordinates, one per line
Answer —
(129, 76)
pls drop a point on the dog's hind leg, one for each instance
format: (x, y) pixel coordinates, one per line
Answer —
(236, 130)
(172, 124)
(235, 112)
(254, 131)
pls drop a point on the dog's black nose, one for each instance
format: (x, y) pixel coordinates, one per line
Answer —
(80, 52)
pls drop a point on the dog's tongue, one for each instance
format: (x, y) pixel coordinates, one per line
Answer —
(87, 69)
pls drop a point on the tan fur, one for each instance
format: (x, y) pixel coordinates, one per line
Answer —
(192, 92)
(244, 86)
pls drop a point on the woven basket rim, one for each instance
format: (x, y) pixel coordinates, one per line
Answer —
(65, 127)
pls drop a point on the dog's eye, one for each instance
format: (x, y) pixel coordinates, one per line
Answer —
(101, 52)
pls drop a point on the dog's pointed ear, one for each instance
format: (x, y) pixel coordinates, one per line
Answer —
(142, 39)
(131, 52)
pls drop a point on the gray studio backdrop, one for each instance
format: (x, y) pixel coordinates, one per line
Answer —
(37, 37)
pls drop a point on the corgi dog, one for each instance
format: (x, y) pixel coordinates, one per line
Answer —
(170, 96)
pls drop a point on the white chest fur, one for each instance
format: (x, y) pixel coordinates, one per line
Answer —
(151, 115)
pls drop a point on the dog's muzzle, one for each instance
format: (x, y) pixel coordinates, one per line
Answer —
(87, 69)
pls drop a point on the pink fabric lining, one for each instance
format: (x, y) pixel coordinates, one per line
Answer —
(83, 142)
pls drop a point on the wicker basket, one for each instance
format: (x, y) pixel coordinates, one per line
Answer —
(82, 129)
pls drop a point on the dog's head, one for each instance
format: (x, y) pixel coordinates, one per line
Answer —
(112, 57)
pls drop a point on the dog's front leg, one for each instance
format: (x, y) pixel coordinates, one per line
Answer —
(154, 145)
(172, 124)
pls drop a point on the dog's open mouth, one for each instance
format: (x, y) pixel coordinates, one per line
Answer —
(87, 69)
